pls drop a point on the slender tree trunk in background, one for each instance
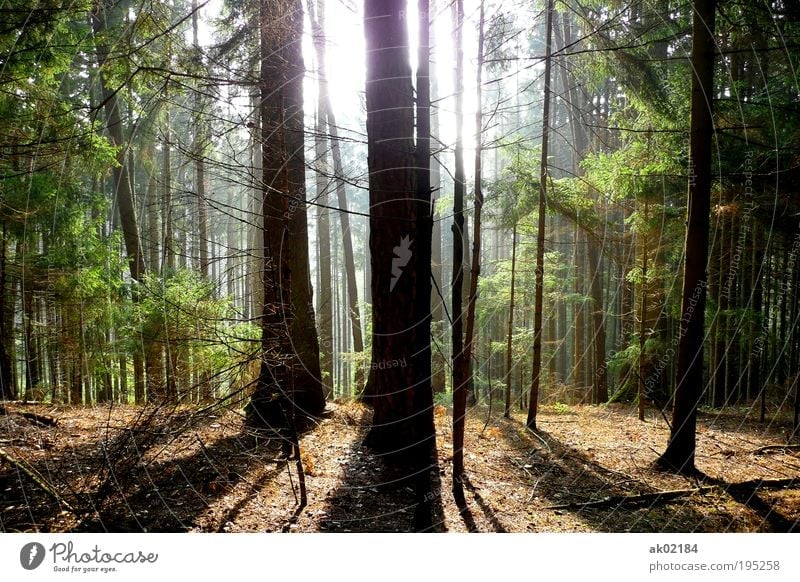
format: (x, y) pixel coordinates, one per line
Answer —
(6, 324)
(122, 359)
(533, 404)
(233, 246)
(167, 234)
(460, 370)
(31, 372)
(54, 351)
(754, 376)
(680, 452)
(643, 320)
(720, 378)
(353, 311)
(595, 260)
(732, 329)
(256, 245)
(475, 269)
(324, 269)
(153, 222)
(76, 383)
(123, 193)
(438, 294)
(328, 121)
(510, 334)
(577, 310)
(316, 12)
(198, 151)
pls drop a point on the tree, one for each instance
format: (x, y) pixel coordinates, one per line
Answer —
(402, 425)
(680, 452)
(460, 366)
(543, 177)
(288, 382)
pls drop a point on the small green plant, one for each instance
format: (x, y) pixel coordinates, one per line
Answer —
(561, 408)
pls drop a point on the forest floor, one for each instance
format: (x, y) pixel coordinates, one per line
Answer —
(122, 469)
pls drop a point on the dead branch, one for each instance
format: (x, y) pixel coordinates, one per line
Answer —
(39, 419)
(35, 477)
(756, 484)
(667, 496)
(651, 498)
(774, 449)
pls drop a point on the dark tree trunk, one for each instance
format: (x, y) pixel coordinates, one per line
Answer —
(198, 151)
(123, 192)
(510, 332)
(6, 324)
(536, 371)
(680, 453)
(324, 299)
(402, 426)
(643, 322)
(288, 381)
(423, 389)
(595, 258)
(460, 374)
(475, 269)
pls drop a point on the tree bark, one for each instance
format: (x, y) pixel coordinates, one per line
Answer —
(288, 381)
(401, 428)
(533, 404)
(679, 455)
(324, 298)
(475, 269)
(510, 334)
(460, 370)
(123, 192)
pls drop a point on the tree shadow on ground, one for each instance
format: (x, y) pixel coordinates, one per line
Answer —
(134, 482)
(567, 477)
(488, 513)
(374, 496)
(564, 478)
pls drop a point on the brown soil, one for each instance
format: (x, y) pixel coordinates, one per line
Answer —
(115, 469)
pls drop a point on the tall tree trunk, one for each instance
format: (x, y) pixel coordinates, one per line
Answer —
(600, 384)
(123, 192)
(680, 452)
(438, 295)
(475, 269)
(423, 390)
(510, 334)
(6, 324)
(460, 370)
(399, 427)
(533, 404)
(198, 151)
(289, 376)
(643, 308)
(324, 299)
(167, 234)
(308, 391)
